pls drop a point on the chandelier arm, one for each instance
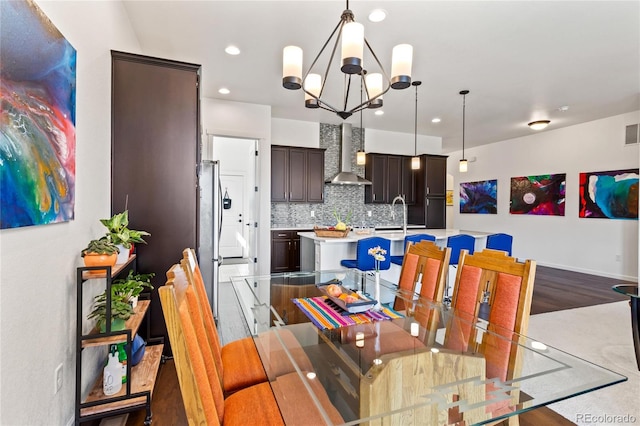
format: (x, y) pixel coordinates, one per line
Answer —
(367, 102)
(339, 26)
(386, 76)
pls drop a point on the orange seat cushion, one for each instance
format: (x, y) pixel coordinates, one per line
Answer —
(430, 278)
(242, 365)
(254, 405)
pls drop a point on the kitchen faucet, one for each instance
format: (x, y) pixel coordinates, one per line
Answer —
(404, 212)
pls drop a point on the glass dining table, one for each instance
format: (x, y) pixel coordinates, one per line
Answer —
(412, 362)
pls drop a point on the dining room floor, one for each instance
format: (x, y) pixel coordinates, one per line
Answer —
(554, 290)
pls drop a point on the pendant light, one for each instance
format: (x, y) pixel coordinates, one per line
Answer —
(361, 156)
(415, 161)
(463, 161)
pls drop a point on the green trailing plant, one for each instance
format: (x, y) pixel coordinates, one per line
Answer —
(118, 231)
(101, 246)
(120, 307)
(133, 284)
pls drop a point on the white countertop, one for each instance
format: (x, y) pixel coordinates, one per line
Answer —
(394, 235)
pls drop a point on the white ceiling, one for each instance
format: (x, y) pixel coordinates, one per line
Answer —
(521, 60)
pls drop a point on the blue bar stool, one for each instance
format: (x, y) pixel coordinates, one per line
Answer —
(364, 261)
(416, 238)
(457, 243)
(500, 241)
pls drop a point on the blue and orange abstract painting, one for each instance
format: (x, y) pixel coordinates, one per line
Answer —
(37, 121)
(479, 197)
(610, 195)
(538, 195)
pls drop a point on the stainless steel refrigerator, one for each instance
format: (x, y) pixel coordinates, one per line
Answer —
(210, 228)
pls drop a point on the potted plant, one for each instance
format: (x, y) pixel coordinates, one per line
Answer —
(118, 233)
(100, 253)
(133, 285)
(121, 310)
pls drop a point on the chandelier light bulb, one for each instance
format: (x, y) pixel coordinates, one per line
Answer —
(401, 61)
(374, 88)
(352, 47)
(313, 85)
(292, 67)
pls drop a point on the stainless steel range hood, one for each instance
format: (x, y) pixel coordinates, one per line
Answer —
(346, 176)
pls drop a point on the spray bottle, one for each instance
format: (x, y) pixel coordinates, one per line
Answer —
(112, 374)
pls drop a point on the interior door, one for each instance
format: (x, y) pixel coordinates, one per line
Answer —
(233, 238)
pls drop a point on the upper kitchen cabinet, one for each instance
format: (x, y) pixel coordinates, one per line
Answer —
(429, 208)
(390, 176)
(297, 174)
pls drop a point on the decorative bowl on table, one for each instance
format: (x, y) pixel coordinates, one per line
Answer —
(346, 299)
(363, 230)
(331, 232)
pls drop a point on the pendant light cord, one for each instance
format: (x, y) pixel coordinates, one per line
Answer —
(415, 130)
(464, 107)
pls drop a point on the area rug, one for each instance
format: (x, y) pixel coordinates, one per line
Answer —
(325, 317)
(600, 334)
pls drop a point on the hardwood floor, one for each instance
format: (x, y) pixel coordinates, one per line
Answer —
(554, 290)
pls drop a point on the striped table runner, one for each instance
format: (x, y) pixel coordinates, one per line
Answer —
(326, 317)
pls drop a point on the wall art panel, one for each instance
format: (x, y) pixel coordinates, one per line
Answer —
(611, 195)
(538, 195)
(479, 197)
(37, 121)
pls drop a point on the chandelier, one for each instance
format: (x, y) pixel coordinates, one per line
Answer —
(349, 34)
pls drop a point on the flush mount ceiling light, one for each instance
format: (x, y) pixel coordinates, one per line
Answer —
(538, 124)
(224, 91)
(232, 50)
(436, 120)
(379, 112)
(463, 161)
(415, 160)
(377, 15)
(351, 36)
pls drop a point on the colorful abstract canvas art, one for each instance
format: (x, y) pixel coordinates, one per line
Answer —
(37, 121)
(538, 195)
(611, 195)
(479, 197)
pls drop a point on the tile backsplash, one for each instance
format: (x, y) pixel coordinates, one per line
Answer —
(341, 199)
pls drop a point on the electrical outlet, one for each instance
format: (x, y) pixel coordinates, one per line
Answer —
(313, 214)
(369, 213)
(57, 379)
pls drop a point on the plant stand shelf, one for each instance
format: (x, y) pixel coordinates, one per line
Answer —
(137, 393)
(143, 379)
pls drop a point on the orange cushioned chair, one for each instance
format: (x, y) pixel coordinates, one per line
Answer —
(239, 363)
(427, 263)
(202, 393)
(506, 285)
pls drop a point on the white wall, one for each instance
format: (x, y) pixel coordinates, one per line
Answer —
(38, 299)
(400, 143)
(568, 242)
(295, 133)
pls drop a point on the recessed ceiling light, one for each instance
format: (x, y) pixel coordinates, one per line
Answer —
(563, 108)
(232, 50)
(224, 91)
(539, 124)
(436, 120)
(379, 112)
(377, 15)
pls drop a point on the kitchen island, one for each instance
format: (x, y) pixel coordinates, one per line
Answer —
(324, 253)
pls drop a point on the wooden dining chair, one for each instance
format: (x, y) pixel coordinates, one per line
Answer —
(239, 363)
(204, 399)
(493, 278)
(427, 264)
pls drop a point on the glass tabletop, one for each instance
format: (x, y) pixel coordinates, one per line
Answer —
(414, 362)
(631, 290)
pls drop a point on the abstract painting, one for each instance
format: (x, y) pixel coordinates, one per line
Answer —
(37, 121)
(611, 195)
(538, 195)
(479, 197)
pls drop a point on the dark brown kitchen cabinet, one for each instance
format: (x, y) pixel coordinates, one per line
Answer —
(285, 251)
(155, 140)
(297, 174)
(390, 176)
(429, 208)
(376, 172)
